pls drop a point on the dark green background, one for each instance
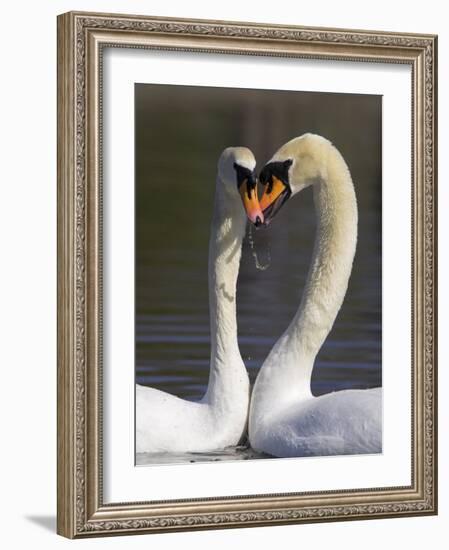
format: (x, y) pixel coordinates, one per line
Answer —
(180, 132)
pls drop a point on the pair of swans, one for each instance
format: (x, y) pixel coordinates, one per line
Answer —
(284, 419)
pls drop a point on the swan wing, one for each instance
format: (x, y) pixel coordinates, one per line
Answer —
(165, 423)
(344, 422)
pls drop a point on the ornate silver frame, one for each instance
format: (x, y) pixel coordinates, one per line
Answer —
(81, 38)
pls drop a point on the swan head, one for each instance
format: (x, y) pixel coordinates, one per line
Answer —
(236, 173)
(295, 166)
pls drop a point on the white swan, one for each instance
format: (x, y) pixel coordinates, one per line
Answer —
(285, 419)
(166, 423)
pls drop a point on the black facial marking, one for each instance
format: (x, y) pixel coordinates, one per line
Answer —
(245, 174)
(277, 169)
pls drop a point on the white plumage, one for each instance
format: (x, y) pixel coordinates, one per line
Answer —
(166, 423)
(285, 418)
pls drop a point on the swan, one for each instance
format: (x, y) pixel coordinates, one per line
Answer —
(285, 419)
(166, 423)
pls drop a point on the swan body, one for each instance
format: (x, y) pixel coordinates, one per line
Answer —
(166, 423)
(285, 419)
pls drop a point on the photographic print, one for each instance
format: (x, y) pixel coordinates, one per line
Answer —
(246, 321)
(258, 274)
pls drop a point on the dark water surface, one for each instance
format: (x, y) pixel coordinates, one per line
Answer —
(240, 452)
(180, 133)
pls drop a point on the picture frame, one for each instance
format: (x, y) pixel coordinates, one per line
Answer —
(82, 41)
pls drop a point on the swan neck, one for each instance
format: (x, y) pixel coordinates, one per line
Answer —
(287, 371)
(226, 236)
(332, 259)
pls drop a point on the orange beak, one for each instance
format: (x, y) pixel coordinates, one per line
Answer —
(274, 196)
(251, 203)
(271, 193)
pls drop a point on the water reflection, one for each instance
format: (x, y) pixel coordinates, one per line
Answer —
(229, 454)
(180, 132)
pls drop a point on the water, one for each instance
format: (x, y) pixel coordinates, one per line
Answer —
(172, 323)
(174, 200)
(241, 452)
(255, 252)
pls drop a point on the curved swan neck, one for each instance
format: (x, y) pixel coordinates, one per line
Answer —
(225, 245)
(288, 369)
(333, 255)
